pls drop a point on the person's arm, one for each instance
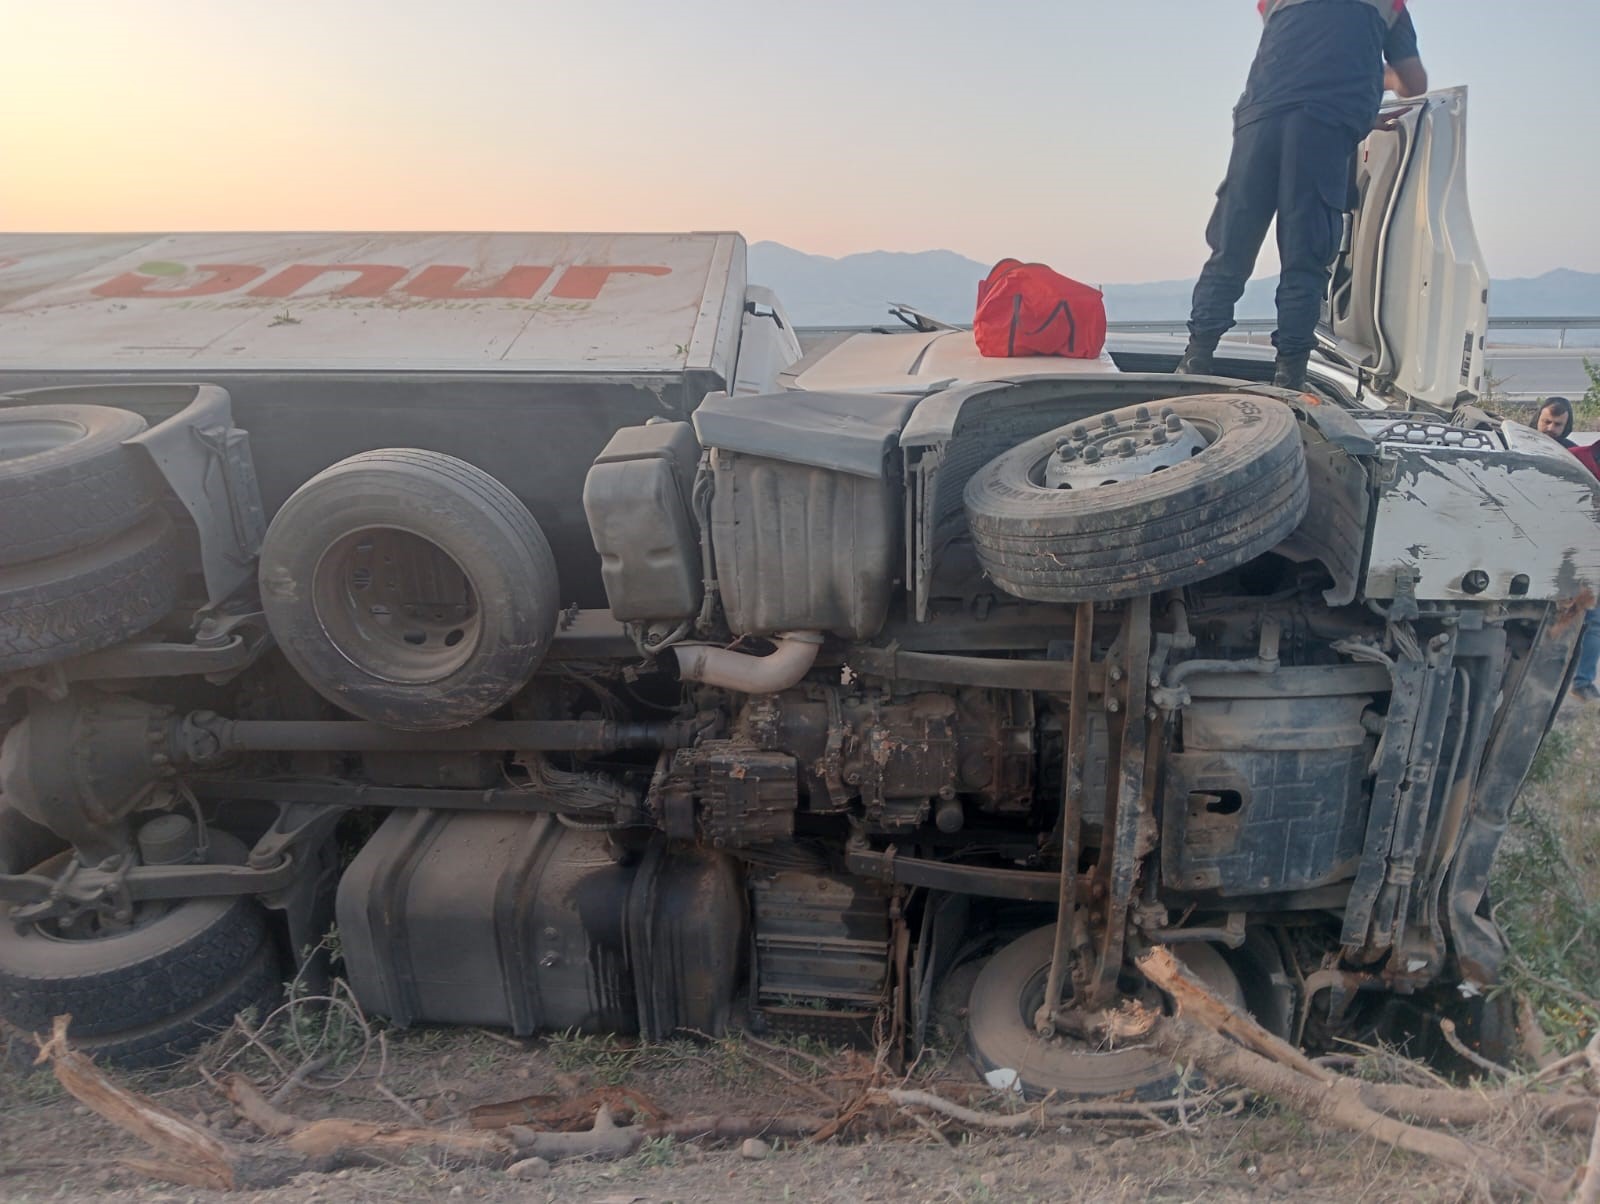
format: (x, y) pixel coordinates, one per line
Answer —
(1404, 75)
(1408, 77)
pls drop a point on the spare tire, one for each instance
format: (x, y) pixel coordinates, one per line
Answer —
(409, 588)
(91, 598)
(1155, 521)
(67, 481)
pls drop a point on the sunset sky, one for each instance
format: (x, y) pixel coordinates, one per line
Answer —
(1089, 135)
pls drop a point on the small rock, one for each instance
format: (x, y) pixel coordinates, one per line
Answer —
(347, 1173)
(1102, 1138)
(754, 1149)
(524, 1073)
(529, 1168)
(1308, 1172)
(1122, 1145)
(989, 1179)
(457, 1192)
(80, 1110)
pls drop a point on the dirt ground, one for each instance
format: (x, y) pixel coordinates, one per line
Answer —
(52, 1148)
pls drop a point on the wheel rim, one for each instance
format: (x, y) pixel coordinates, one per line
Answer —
(1113, 449)
(396, 605)
(33, 436)
(1031, 998)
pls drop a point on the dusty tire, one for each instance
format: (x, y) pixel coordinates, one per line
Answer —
(1240, 496)
(81, 601)
(256, 990)
(146, 975)
(354, 543)
(1000, 1031)
(66, 481)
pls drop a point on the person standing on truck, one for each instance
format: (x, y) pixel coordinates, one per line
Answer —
(1311, 96)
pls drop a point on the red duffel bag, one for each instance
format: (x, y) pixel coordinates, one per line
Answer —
(1029, 309)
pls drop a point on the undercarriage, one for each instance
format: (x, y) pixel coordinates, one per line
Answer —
(837, 758)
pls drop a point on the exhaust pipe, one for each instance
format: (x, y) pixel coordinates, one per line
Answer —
(778, 670)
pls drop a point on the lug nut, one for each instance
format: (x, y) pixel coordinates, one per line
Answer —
(1109, 422)
(1080, 433)
(1173, 422)
(1091, 454)
(1142, 413)
(1125, 447)
(1158, 436)
(1066, 453)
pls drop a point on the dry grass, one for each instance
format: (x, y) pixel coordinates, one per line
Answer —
(1547, 880)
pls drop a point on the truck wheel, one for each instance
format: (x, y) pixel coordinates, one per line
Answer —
(144, 994)
(66, 481)
(1013, 1056)
(409, 588)
(256, 990)
(84, 600)
(1131, 503)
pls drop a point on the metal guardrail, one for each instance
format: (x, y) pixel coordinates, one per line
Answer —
(1253, 326)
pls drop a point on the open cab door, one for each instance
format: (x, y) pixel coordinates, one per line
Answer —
(1408, 305)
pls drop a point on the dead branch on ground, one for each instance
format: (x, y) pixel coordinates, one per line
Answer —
(189, 1154)
(1265, 1064)
(565, 1114)
(336, 1141)
(1589, 1186)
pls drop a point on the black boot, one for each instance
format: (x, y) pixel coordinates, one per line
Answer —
(1196, 359)
(1290, 371)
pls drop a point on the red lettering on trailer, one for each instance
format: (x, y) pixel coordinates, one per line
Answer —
(436, 282)
(441, 282)
(225, 277)
(583, 281)
(373, 279)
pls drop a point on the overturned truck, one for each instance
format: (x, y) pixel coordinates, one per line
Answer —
(536, 611)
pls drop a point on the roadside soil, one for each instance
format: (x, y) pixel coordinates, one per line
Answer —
(52, 1148)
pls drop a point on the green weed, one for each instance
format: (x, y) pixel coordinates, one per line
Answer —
(1546, 900)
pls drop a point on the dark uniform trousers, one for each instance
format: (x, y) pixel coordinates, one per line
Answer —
(1292, 165)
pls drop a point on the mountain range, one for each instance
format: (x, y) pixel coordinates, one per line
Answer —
(855, 290)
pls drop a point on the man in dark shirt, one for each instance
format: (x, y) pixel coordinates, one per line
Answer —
(1312, 94)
